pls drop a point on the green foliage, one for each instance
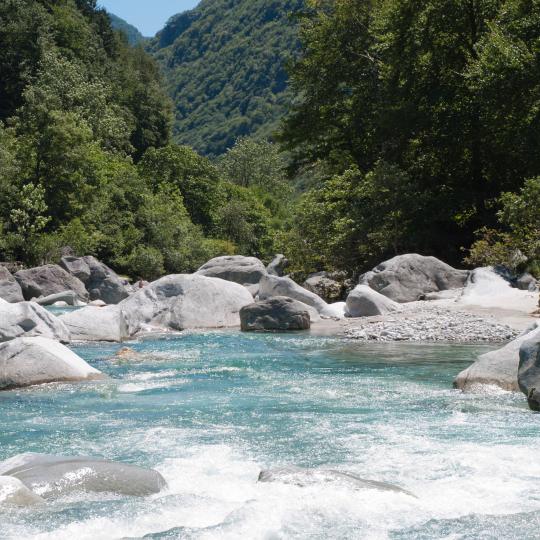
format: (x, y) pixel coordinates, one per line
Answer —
(225, 67)
(146, 262)
(133, 36)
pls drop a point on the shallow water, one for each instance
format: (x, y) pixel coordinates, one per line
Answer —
(210, 410)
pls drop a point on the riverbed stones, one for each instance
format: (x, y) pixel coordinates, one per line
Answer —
(28, 319)
(94, 323)
(14, 493)
(37, 360)
(101, 281)
(52, 476)
(236, 268)
(278, 313)
(363, 301)
(407, 278)
(498, 368)
(529, 369)
(271, 286)
(10, 290)
(185, 301)
(49, 279)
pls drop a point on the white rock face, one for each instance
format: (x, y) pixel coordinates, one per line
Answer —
(407, 278)
(242, 270)
(27, 319)
(94, 323)
(185, 301)
(498, 368)
(30, 361)
(363, 301)
(14, 492)
(270, 286)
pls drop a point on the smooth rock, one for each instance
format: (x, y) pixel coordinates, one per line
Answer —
(52, 476)
(278, 313)
(407, 278)
(93, 323)
(10, 290)
(363, 301)
(334, 311)
(28, 319)
(101, 281)
(278, 265)
(236, 268)
(70, 298)
(525, 282)
(270, 286)
(97, 303)
(47, 280)
(498, 368)
(529, 369)
(37, 360)
(185, 301)
(324, 285)
(308, 477)
(14, 493)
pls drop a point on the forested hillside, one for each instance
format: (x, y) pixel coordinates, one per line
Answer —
(133, 36)
(225, 67)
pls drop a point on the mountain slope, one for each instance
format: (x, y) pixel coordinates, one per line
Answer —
(225, 66)
(134, 37)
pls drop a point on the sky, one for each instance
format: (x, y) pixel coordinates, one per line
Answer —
(148, 16)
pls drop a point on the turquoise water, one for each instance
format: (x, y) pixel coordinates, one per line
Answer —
(210, 410)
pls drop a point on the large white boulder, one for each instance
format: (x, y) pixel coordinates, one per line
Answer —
(363, 301)
(51, 476)
(31, 361)
(237, 268)
(28, 319)
(270, 286)
(497, 368)
(407, 278)
(10, 290)
(94, 323)
(14, 492)
(185, 301)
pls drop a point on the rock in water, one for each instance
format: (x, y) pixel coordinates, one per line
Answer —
(27, 319)
(236, 268)
(10, 290)
(307, 477)
(94, 323)
(185, 301)
(363, 301)
(271, 286)
(51, 476)
(101, 282)
(499, 368)
(14, 492)
(47, 280)
(275, 314)
(278, 265)
(31, 361)
(407, 278)
(529, 369)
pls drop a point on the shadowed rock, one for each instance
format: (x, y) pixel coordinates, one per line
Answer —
(10, 290)
(275, 314)
(529, 369)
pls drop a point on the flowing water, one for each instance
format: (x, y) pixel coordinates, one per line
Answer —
(209, 410)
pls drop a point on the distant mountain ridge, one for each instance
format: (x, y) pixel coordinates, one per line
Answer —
(133, 35)
(224, 63)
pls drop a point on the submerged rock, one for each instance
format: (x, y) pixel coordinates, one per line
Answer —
(363, 301)
(94, 323)
(10, 290)
(14, 492)
(407, 278)
(28, 319)
(185, 301)
(236, 268)
(52, 476)
(499, 368)
(47, 280)
(271, 286)
(276, 313)
(31, 361)
(307, 477)
(529, 369)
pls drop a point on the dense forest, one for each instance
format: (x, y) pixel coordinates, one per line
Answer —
(134, 37)
(406, 127)
(225, 66)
